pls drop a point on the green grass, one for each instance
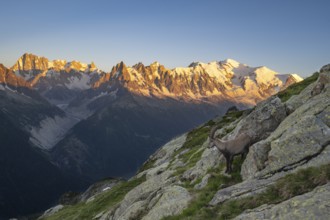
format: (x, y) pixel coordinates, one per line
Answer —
(210, 123)
(198, 208)
(285, 188)
(101, 203)
(194, 141)
(197, 137)
(296, 88)
(147, 165)
(233, 115)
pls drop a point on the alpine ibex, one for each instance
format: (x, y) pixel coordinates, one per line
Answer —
(231, 148)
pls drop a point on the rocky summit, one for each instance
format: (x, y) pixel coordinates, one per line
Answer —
(285, 174)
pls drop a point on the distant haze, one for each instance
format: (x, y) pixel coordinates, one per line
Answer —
(287, 36)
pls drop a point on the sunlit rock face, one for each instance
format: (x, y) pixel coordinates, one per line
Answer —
(227, 79)
(223, 80)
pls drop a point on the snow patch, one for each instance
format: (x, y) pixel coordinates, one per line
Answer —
(117, 74)
(213, 70)
(11, 90)
(51, 130)
(80, 83)
(62, 106)
(50, 64)
(263, 75)
(232, 62)
(99, 95)
(52, 73)
(106, 188)
(26, 76)
(296, 77)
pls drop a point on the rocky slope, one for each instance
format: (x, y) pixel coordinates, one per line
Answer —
(285, 174)
(8, 78)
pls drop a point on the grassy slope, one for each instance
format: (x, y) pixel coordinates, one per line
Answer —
(303, 181)
(197, 209)
(101, 203)
(190, 153)
(285, 188)
(296, 88)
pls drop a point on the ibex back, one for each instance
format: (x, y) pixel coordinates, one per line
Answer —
(231, 148)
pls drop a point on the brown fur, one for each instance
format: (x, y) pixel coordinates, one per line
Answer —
(318, 88)
(231, 148)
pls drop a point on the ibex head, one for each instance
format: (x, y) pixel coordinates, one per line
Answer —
(211, 136)
(211, 144)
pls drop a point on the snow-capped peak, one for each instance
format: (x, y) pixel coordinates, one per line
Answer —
(200, 80)
(232, 62)
(196, 81)
(156, 63)
(296, 77)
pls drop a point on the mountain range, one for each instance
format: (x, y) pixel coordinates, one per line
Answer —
(227, 79)
(74, 124)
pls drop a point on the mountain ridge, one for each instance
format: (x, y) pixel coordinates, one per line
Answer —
(227, 79)
(29, 61)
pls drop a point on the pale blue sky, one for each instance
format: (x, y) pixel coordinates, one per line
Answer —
(285, 35)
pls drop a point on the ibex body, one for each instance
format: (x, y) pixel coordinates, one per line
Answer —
(231, 148)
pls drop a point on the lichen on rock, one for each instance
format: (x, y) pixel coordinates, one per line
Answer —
(312, 205)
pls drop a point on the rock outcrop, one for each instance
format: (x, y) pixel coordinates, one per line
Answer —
(8, 78)
(31, 62)
(313, 205)
(301, 137)
(262, 121)
(159, 195)
(300, 141)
